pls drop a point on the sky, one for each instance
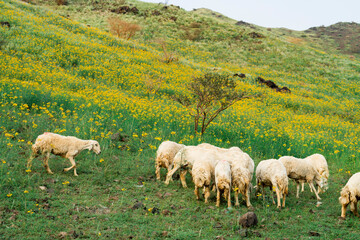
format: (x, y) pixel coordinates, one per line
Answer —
(292, 14)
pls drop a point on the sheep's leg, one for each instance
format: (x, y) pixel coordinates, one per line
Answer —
(218, 195)
(32, 157)
(182, 178)
(343, 210)
(278, 197)
(272, 194)
(169, 174)
(46, 163)
(302, 186)
(207, 193)
(157, 171)
(319, 190)
(73, 166)
(196, 191)
(247, 197)
(169, 167)
(353, 207)
(236, 195)
(313, 188)
(284, 197)
(297, 189)
(229, 198)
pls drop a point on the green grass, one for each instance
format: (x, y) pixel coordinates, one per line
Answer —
(62, 76)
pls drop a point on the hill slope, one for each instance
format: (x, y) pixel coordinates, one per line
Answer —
(60, 75)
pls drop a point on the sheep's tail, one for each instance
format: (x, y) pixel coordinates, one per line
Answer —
(223, 184)
(243, 185)
(282, 183)
(201, 177)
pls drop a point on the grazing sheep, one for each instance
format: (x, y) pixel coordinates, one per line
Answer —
(233, 154)
(209, 146)
(350, 194)
(165, 156)
(203, 172)
(242, 169)
(301, 170)
(64, 146)
(185, 159)
(272, 173)
(223, 181)
(241, 183)
(318, 161)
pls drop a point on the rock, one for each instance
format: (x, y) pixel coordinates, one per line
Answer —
(138, 205)
(312, 233)
(249, 219)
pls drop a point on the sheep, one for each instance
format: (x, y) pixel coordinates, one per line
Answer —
(185, 159)
(301, 170)
(165, 156)
(242, 169)
(203, 172)
(350, 194)
(241, 183)
(223, 181)
(272, 173)
(318, 161)
(64, 146)
(233, 154)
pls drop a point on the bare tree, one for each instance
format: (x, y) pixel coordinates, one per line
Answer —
(211, 94)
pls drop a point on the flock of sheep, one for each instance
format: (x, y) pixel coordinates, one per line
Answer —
(226, 169)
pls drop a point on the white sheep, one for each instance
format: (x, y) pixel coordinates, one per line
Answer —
(350, 194)
(203, 171)
(242, 169)
(301, 170)
(241, 183)
(319, 162)
(185, 159)
(223, 181)
(272, 173)
(233, 154)
(64, 146)
(165, 156)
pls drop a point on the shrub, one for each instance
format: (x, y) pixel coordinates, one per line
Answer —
(122, 28)
(168, 56)
(61, 2)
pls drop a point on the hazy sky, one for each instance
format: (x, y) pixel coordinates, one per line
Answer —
(292, 14)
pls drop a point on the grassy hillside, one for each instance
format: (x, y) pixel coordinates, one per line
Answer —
(58, 74)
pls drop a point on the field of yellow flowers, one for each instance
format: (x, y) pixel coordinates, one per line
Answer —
(59, 75)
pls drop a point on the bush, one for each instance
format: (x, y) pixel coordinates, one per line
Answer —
(61, 2)
(122, 28)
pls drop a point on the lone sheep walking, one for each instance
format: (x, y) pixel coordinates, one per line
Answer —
(64, 146)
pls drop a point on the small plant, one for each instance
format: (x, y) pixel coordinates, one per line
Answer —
(122, 28)
(168, 56)
(152, 85)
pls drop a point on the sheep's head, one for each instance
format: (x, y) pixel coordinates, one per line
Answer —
(325, 183)
(344, 198)
(95, 146)
(321, 181)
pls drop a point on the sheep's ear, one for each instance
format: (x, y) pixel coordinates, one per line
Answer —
(89, 146)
